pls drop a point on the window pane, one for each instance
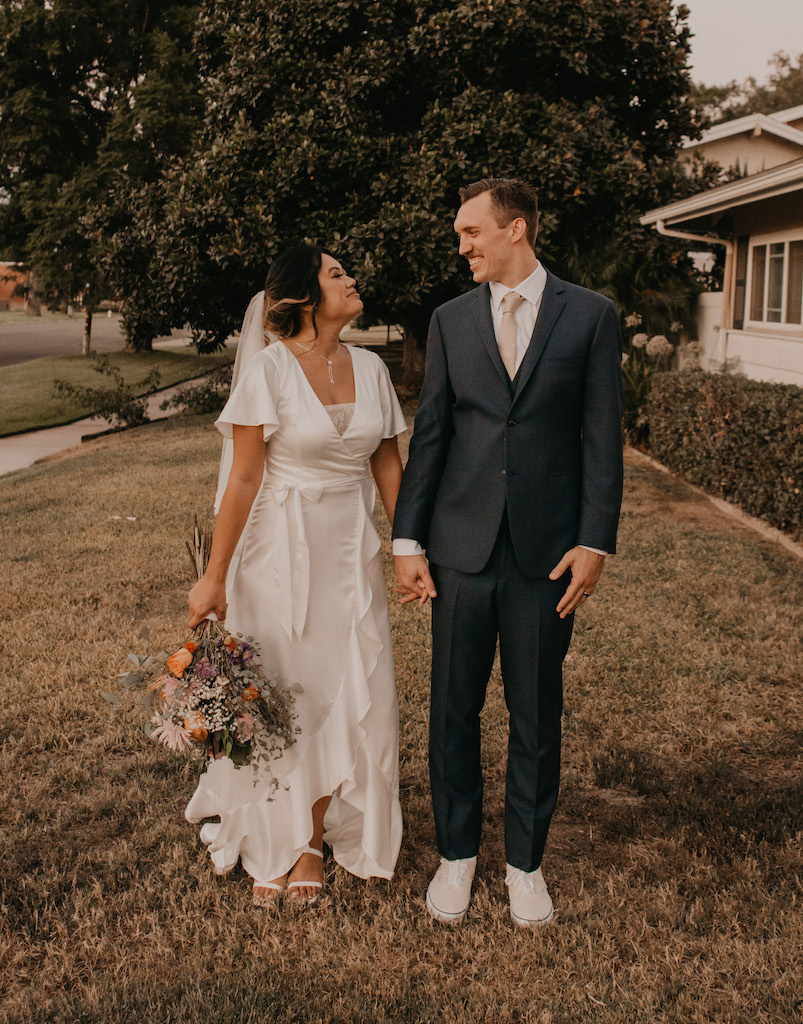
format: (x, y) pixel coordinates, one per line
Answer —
(757, 286)
(794, 283)
(775, 289)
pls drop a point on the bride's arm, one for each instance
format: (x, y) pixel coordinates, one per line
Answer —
(209, 593)
(387, 470)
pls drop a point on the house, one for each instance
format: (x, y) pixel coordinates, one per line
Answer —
(754, 325)
(751, 144)
(10, 279)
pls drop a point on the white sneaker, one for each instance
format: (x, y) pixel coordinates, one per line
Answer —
(449, 892)
(530, 902)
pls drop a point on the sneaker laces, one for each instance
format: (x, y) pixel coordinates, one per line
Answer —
(456, 870)
(525, 881)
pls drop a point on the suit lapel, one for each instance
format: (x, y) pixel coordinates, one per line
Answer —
(485, 324)
(552, 305)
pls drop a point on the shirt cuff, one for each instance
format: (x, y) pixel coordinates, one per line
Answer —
(595, 550)
(406, 546)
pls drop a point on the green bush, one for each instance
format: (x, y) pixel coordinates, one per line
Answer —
(208, 395)
(120, 405)
(741, 439)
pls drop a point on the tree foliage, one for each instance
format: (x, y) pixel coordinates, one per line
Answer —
(352, 123)
(89, 90)
(782, 90)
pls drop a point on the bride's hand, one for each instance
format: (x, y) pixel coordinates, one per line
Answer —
(206, 597)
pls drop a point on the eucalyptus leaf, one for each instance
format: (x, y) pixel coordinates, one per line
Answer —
(131, 680)
(112, 698)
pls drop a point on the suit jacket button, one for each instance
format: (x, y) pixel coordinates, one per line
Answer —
(504, 472)
(511, 423)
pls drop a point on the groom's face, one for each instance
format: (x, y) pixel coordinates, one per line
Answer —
(487, 246)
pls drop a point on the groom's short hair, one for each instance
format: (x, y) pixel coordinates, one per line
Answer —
(511, 198)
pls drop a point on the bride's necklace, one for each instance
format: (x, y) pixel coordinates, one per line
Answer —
(318, 354)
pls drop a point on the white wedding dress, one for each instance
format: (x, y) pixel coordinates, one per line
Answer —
(306, 582)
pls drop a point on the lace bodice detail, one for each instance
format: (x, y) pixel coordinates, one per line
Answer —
(342, 416)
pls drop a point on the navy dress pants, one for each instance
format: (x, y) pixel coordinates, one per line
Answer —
(469, 613)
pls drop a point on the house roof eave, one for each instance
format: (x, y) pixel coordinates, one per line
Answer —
(777, 181)
(768, 123)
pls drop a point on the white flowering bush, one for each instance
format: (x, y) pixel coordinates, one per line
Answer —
(642, 356)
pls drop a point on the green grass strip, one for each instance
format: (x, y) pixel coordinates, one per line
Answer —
(28, 401)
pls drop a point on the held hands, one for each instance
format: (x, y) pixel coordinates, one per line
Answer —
(205, 598)
(413, 580)
(586, 569)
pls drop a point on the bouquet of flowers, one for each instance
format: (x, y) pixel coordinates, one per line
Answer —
(212, 697)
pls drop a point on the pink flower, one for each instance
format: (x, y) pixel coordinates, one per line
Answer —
(169, 686)
(244, 727)
(174, 736)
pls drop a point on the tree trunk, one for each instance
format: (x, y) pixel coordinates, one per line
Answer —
(143, 346)
(415, 335)
(86, 345)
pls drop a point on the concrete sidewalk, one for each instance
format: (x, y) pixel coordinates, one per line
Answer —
(22, 450)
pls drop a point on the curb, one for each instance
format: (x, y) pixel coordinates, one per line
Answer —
(759, 526)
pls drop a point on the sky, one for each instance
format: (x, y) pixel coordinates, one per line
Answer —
(734, 39)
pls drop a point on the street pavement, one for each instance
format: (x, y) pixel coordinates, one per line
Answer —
(34, 337)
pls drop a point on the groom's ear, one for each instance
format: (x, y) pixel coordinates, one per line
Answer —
(518, 229)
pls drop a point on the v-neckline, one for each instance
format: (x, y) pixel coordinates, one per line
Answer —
(322, 405)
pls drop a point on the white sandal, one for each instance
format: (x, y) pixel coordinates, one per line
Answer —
(307, 885)
(263, 899)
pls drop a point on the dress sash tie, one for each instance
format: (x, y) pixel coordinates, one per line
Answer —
(293, 566)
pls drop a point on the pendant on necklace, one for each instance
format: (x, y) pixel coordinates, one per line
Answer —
(331, 374)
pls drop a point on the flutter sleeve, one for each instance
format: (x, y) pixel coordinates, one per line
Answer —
(253, 402)
(393, 422)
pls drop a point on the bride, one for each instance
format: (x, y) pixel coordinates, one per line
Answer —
(295, 563)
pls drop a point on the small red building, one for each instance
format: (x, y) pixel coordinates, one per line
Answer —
(11, 278)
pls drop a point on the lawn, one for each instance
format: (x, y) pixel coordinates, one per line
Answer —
(27, 399)
(674, 859)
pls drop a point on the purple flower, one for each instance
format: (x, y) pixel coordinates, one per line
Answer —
(203, 669)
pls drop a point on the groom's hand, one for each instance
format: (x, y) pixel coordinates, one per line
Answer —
(413, 580)
(586, 569)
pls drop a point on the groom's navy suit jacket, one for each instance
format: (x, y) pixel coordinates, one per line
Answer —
(546, 446)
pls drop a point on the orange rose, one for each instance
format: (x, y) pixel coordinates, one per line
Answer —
(191, 646)
(230, 642)
(250, 693)
(196, 726)
(179, 661)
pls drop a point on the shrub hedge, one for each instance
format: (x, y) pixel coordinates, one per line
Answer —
(740, 438)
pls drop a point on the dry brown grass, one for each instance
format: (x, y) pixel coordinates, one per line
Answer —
(674, 859)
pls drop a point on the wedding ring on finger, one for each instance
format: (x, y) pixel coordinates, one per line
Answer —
(586, 594)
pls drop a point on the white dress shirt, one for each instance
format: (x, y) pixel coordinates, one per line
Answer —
(531, 290)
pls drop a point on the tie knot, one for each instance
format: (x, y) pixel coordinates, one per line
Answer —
(511, 302)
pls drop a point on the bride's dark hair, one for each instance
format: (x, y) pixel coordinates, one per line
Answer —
(292, 283)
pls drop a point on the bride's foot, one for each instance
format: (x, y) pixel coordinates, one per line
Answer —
(305, 880)
(267, 894)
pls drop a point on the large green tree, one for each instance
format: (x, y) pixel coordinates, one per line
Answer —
(90, 90)
(352, 122)
(782, 89)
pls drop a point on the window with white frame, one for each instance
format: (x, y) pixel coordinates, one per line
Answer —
(776, 282)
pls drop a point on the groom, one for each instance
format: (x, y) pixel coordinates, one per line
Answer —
(513, 487)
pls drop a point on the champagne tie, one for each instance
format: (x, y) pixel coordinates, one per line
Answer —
(507, 332)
